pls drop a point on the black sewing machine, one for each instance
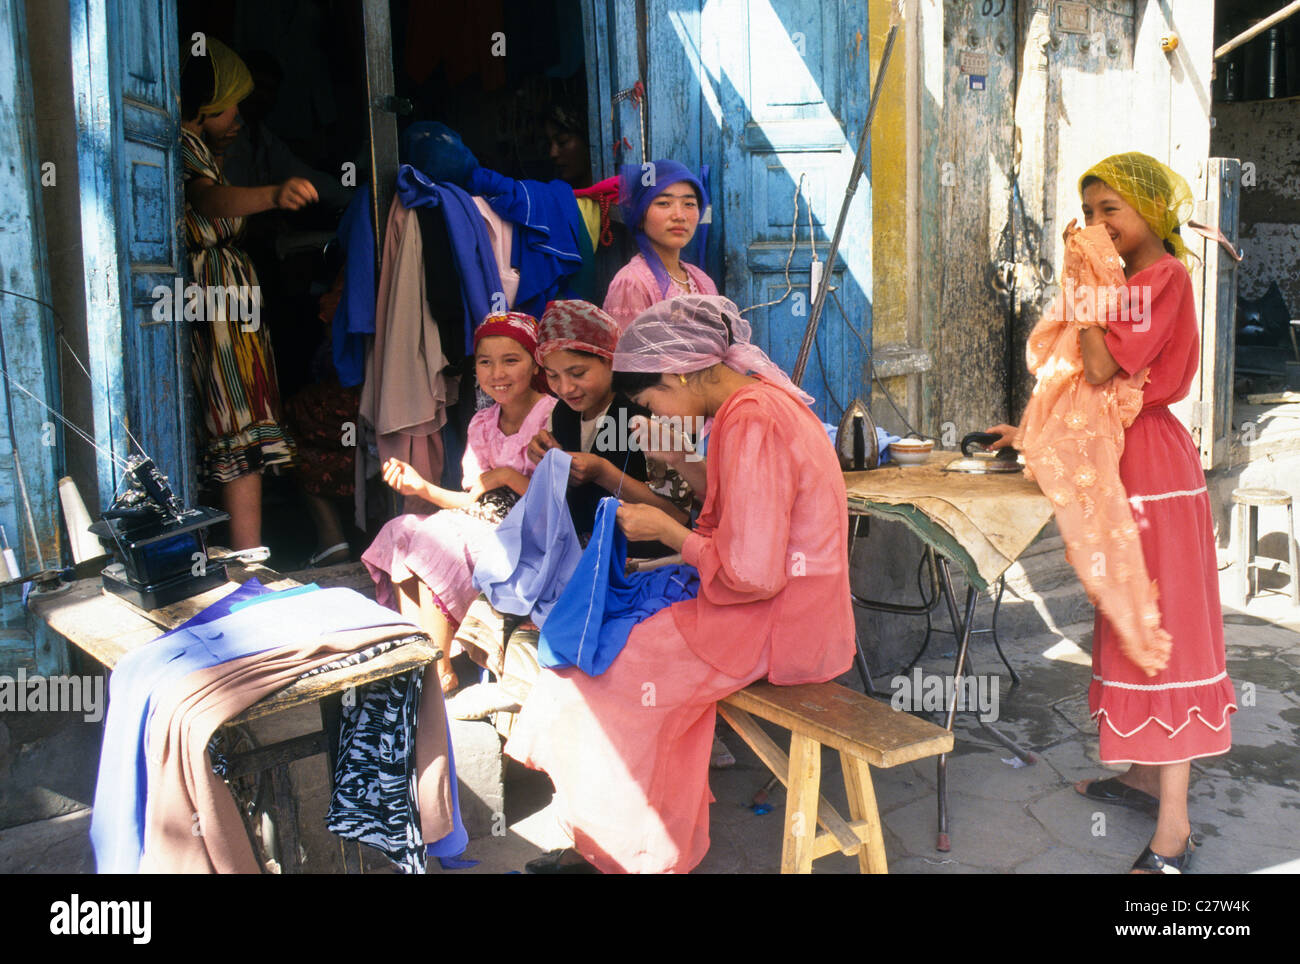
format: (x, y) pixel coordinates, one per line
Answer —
(161, 545)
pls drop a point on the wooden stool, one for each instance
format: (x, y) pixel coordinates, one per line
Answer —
(863, 730)
(1246, 523)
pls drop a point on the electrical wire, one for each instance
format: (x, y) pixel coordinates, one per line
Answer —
(794, 243)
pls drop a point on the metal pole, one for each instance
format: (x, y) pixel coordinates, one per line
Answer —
(810, 333)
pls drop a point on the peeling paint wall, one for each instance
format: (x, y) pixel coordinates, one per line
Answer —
(1264, 135)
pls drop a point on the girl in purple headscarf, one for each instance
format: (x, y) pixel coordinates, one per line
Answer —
(662, 204)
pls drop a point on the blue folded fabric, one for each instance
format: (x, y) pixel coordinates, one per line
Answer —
(589, 625)
(476, 263)
(217, 635)
(547, 250)
(526, 563)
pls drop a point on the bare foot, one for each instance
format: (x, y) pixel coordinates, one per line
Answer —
(447, 676)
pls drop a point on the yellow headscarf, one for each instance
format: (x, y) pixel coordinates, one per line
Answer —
(231, 81)
(1157, 192)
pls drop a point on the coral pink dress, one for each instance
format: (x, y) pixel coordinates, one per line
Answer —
(1181, 713)
(634, 289)
(440, 549)
(628, 751)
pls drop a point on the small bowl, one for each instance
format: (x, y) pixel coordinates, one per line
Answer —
(911, 451)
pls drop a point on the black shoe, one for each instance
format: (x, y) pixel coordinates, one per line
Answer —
(1151, 861)
(566, 861)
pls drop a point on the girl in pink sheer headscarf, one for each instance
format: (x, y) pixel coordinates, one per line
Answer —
(628, 750)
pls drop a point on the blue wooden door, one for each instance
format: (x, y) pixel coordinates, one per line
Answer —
(30, 457)
(762, 91)
(125, 72)
(793, 87)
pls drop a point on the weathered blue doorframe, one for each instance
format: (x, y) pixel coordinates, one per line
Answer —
(26, 327)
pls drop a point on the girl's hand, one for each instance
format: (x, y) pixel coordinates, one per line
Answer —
(586, 467)
(475, 492)
(542, 443)
(671, 446)
(295, 193)
(491, 479)
(504, 477)
(403, 479)
(1065, 235)
(1008, 433)
(642, 523)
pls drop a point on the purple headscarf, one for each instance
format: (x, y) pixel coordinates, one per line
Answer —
(635, 196)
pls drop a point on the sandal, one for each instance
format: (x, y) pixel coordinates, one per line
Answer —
(1151, 862)
(1113, 790)
(565, 861)
(326, 556)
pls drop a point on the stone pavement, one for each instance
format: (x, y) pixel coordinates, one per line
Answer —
(1003, 818)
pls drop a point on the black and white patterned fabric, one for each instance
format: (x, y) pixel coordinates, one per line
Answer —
(374, 799)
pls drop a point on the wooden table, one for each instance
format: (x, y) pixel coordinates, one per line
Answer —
(107, 627)
(981, 523)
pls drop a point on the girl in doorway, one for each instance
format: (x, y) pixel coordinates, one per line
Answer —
(662, 203)
(233, 368)
(1157, 724)
(425, 563)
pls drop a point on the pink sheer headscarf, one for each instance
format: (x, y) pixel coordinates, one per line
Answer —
(690, 333)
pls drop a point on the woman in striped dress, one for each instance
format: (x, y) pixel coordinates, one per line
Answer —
(232, 364)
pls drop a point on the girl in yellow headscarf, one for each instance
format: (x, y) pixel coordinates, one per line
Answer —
(233, 368)
(1156, 723)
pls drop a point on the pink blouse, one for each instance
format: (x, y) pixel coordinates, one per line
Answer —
(634, 289)
(769, 545)
(489, 448)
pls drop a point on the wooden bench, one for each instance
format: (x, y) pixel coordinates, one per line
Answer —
(866, 733)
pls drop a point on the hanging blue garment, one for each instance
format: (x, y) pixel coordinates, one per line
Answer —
(546, 249)
(590, 623)
(354, 318)
(526, 563)
(476, 263)
(438, 152)
(217, 635)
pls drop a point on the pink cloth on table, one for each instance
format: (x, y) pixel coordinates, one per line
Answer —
(1072, 435)
(634, 289)
(441, 549)
(628, 750)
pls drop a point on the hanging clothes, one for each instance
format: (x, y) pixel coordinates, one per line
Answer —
(525, 564)
(548, 229)
(354, 318)
(406, 395)
(601, 603)
(476, 262)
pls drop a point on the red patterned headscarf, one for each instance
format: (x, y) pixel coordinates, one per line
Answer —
(576, 326)
(519, 327)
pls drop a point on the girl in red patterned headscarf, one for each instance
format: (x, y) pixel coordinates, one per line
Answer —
(423, 564)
